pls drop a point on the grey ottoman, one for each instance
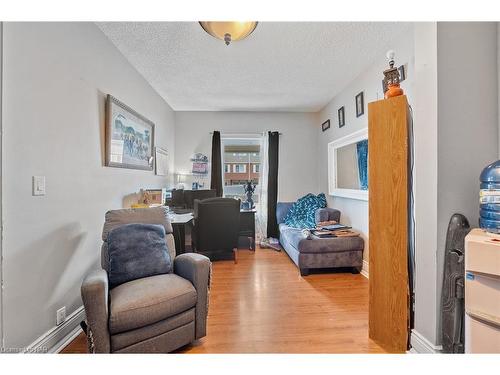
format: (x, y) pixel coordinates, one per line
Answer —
(330, 252)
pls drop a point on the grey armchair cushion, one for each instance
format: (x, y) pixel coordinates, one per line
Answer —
(136, 251)
(149, 300)
(94, 292)
(105, 256)
(152, 215)
(197, 269)
(127, 338)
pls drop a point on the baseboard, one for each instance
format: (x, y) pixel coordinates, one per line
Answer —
(67, 339)
(60, 336)
(364, 270)
(419, 344)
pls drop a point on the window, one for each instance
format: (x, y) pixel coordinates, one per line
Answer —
(240, 168)
(241, 159)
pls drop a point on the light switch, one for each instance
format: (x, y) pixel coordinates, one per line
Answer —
(38, 185)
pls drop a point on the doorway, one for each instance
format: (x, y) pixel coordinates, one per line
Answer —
(1, 184)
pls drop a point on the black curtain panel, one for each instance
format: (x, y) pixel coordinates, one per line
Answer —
(272, 187)
(216, 177)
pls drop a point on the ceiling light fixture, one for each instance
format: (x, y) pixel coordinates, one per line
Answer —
(229, 31)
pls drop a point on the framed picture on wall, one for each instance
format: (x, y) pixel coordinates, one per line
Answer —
(129, 137)
(341, 113)
(402, 73)
(325, 125)
(161, 162)
(360, 104)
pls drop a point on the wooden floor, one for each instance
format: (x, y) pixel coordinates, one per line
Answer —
(263, 305)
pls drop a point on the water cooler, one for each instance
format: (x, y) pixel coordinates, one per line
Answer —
(482, 292)
(482, 269)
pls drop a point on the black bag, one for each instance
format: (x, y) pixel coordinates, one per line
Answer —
(453, 292)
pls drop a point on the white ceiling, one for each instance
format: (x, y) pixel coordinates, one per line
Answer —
(281, 66)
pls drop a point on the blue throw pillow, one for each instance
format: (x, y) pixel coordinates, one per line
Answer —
(302, 213)
(137, 251)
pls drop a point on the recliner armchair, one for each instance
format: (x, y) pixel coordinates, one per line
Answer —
(156, 314)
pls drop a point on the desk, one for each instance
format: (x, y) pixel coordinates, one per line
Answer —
(179, 223)
(247, 226)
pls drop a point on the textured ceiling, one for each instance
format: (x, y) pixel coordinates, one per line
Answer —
(281, 66)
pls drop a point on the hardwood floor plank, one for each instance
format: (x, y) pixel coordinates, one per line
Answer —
(263, 305)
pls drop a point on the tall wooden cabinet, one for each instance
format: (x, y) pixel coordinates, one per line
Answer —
(388, 222)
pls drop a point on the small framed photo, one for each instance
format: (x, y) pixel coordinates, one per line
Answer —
(341, 113)
(402, 73)
(325, 125)
(360, 104)
(161, 161)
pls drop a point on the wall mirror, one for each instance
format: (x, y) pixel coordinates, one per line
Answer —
(348, 166)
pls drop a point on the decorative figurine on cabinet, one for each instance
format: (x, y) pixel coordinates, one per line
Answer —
(391, 78)
(249, 190)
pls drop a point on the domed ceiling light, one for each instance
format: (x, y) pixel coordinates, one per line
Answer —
(229, 31)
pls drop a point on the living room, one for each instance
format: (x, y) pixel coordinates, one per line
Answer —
(278, 118)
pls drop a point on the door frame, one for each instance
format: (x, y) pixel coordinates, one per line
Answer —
(1, 187)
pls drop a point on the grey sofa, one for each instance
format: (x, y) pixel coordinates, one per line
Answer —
(156, 314)
(317, 253)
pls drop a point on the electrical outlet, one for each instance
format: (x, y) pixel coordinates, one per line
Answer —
(38, 185)
(61, 315)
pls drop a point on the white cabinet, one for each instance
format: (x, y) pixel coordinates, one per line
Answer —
(482, 292)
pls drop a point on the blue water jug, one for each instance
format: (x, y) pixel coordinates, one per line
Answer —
(489, 198)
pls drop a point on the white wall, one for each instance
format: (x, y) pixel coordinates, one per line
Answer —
(355, 212)
(1, 185)
(467, 118)
(456, 136)
(55, 82)
(297, 174)
(425, 179)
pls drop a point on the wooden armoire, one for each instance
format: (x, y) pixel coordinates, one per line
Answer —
(388, 171)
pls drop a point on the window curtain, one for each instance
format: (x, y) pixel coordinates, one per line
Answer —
(216, 175)
(362, 153)
(262, 205)
(272, 184)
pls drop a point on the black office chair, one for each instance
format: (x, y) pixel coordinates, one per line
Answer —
(178, 198)
(191, 195)
(216, 227)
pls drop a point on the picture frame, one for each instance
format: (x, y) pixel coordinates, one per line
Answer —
(360, 104)
(341, 115)
(129, 137)
(402, 73)
(155, 196)
(325, 125)
(161, 161)
(200, 164)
